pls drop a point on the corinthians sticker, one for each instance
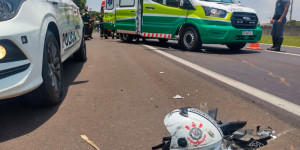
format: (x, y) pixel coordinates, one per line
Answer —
(196, 134)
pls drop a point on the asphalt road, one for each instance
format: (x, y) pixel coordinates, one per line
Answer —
(119, 97)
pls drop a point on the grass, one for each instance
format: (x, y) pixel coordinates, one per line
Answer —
(288, 40)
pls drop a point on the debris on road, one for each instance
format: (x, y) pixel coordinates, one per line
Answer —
(90, 142)
(188, 94)
(161, 72)
(178, 97)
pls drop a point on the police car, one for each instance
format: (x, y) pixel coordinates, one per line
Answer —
(36, 36)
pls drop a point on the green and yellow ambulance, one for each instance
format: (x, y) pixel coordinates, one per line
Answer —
(191, 22)
(109, 17)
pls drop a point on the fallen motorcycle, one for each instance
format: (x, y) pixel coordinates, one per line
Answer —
(192, 129)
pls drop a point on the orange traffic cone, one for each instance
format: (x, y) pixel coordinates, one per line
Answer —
(254, 46)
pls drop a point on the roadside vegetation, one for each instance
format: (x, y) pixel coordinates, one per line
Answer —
(80, 3)
(293, 23)
(288, 40)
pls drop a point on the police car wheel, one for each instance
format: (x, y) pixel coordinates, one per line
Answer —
(236, 46)
(189, 39)
(50, 92)
(126, 38)
(80, 55)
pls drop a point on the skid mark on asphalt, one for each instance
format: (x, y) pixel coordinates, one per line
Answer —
(281, 79)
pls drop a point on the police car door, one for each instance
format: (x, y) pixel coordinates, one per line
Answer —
(69, 36)
(126, 15)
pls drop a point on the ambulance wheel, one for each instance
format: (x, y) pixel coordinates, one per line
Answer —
(236, 46)
(50, 91)
(163, 41)
(80, 55)
(126, 38)
(189, 39)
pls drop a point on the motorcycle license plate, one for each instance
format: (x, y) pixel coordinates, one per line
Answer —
(247, 32)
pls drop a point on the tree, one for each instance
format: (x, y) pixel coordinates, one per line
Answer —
(95, 14)
(80, 3)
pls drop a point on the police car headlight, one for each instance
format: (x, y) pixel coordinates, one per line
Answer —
(214, 12)
(9, 8)
(2, 52)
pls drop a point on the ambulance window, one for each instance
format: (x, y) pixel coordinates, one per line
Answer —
(126, 3)
(173, 3)
(158, 1)
(227, 1)
(109, 4)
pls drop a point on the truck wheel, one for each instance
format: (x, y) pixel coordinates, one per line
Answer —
(163, 41)
(189, 39)
(126, 38)
(236, 46)
(49, 93)
(80, 54)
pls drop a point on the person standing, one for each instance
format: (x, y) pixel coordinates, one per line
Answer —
(86, 21)
(278, 21)
(98, 26)
(103, 31)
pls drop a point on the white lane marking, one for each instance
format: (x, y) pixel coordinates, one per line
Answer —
(283, 53)
(282, 45)
(272, 99)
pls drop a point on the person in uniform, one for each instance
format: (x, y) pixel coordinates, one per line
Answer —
(278, 21)
(86, 20)
(103, 32)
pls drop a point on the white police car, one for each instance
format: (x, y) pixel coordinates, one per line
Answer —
(36, 36)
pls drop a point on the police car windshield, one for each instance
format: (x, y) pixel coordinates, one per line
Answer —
(223, 1)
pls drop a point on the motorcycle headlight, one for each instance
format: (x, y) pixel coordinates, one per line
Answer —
(214, 12)
(9, 8)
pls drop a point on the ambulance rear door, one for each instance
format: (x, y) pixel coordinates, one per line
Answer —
(110, 13)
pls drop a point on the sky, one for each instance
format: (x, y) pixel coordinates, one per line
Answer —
(264, 8)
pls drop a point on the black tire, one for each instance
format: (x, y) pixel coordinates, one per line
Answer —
(163, 41)
(190, 39)
(236, 46)
(50, 92)
(80, 54)
(127, 38)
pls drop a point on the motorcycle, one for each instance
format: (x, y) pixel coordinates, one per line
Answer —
(193, 129)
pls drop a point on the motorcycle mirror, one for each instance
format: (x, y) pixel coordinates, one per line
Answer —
(213, 113)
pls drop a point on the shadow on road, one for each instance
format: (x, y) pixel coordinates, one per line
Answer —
(18, 119)
(205, 49)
